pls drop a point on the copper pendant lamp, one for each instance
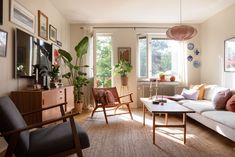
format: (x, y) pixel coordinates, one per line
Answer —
(181, 32)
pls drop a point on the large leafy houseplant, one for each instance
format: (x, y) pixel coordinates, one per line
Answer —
(123, 68)
(76, 75)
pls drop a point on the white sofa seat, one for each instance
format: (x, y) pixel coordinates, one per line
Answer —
(199, 106)
(224, 117)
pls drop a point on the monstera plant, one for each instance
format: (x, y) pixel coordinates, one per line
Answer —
(76, 75)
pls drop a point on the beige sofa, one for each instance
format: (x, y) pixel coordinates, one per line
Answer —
(221, 121)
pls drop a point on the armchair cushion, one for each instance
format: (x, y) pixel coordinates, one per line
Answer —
(54, 139)
(11, 119)
(110, 97)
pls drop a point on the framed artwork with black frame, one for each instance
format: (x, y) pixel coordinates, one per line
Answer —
(124, 53)
(52, 33)
(3, 43)
(1, 12)
(229, 55)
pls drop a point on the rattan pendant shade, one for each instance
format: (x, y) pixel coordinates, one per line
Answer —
(181, 32)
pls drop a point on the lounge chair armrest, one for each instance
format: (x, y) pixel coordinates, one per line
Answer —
(40, 124)
(130, 95)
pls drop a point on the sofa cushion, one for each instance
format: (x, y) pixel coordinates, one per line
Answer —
(200, 88)
(199, 106)
(191, 94)
(220, 99)
(218, 89)
(209, 91)
(230, 105)
(223, 117)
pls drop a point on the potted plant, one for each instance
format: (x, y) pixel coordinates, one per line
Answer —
(76, 75)
(123, 68)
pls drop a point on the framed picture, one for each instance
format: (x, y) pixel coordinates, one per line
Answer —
(52, 33)
(3, 43)
(124, 53)
(1, 12)
(229, 55)
(55, 55)
(22, 17)
(42, 25)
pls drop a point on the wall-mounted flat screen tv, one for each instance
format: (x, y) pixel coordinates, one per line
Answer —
(30, 51)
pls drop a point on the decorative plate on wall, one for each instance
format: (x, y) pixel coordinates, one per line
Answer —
(196, 64)
(196, 52)
(190, 46)
(190, 58)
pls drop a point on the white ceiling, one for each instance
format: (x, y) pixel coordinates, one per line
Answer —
(139, 11)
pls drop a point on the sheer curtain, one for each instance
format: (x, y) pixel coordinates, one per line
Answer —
(88, 99)
(183, 68)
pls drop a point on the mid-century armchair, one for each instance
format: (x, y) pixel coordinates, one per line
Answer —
(109, 98)
(54, 140)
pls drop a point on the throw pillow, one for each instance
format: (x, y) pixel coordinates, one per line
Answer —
(201, 90)
(209, 90)
(100, 97)
(218, 89)
(230, 105)
(221, 98)
(109, 97)
(190, 94)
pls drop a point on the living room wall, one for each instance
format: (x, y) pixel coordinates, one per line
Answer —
(213, 33)
(127, 37)
(55, 18)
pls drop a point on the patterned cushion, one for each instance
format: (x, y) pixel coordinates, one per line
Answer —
(100, 97)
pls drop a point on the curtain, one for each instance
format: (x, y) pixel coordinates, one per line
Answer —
(183, 68)
(88, 98)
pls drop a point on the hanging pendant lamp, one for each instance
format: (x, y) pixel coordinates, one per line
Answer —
(181, 32)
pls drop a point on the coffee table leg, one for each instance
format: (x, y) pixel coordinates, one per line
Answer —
(166, 118)
(184, 123)
(153, 128)
(143, 115)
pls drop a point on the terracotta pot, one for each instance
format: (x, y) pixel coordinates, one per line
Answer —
(162, 77)
(124, 80)
(172, 78)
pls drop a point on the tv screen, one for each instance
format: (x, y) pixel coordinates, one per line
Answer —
(25, 53)
(29, 52)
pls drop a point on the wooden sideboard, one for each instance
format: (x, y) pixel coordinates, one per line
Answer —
(29, 100)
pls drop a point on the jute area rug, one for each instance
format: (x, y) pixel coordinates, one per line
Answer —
(124, 137)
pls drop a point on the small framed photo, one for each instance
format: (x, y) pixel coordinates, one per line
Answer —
(21, 16)
(3, 43)
(42, 25)
(52, 33)
(124, 53)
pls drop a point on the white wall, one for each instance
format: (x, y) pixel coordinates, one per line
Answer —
(7, 82)
(213, 33)
(127, 37)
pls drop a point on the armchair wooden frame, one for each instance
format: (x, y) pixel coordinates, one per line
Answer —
(115, 105)
(14, 134)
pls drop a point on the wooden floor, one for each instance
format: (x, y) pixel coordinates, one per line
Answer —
(124, 137)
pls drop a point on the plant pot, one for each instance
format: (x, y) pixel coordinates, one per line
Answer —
(172, 78)
(124, 80)
(77, 107)
(162, 77)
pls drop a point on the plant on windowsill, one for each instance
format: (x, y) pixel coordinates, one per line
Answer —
(123, 68)
(76, 75)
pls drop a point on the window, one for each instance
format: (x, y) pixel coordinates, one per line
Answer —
(103, 60)
(157, 55)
